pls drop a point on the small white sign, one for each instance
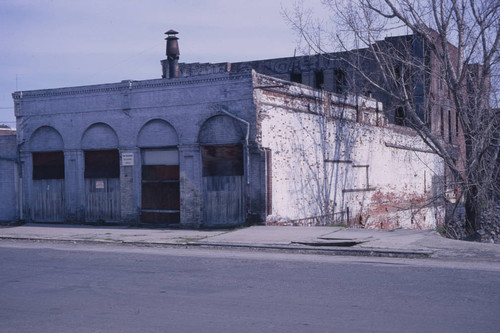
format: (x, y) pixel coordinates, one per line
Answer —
(99, 184)
(127, 159)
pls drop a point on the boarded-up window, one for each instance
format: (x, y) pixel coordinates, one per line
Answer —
(48, 165)
(226, 160)
(160, 164)
(102, 164)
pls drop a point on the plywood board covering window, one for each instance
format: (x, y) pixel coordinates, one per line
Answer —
(102, 164)
(224, 160)
(48, 165)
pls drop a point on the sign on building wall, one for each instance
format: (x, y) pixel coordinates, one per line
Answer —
(127, 159)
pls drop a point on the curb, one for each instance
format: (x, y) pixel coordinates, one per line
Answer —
(333, 250)
(322, 250)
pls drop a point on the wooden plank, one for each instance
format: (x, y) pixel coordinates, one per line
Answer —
(161, 195)
(223, 200)
(48, 205)
(102, 199)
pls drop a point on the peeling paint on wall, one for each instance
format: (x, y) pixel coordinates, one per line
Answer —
(333, 163)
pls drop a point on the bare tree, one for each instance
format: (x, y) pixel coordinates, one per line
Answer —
(441, 80)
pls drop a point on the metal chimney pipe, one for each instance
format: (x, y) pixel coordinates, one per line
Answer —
(172, 53)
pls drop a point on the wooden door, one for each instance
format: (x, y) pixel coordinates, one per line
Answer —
(160, 186)
(223, 185)
(48, 187)
(102, 186)
(223, 203)
(48, 204)
(102, 199)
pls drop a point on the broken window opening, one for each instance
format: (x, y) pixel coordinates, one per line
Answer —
(340, 81)
(48, 165)
(319, 79)
(102, 164)
(400, 117)
(296, 77)
(223, 160)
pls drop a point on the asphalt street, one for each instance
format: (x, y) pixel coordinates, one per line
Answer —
(48, 287)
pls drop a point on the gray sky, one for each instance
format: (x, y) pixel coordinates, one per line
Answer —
(60, 43)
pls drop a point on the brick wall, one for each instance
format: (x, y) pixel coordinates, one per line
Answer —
(339, 161)
(112, 116)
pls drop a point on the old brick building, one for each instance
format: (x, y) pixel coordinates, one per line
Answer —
(334, 72)
(407, 58)
(223, 145)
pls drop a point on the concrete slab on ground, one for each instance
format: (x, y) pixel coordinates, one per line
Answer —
(106, 234)
(268, 235)
(399, 242)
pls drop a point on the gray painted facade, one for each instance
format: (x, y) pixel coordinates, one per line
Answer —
(131, 116)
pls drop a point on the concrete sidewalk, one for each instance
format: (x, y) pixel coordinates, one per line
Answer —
(323, 240)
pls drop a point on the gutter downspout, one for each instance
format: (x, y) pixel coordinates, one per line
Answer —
(247, 136)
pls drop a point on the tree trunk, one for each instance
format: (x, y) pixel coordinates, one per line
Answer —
(472, 211)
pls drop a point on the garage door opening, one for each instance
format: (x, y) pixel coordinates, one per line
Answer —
(160, 186)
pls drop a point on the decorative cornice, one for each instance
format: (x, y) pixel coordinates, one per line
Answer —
(129, 85)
